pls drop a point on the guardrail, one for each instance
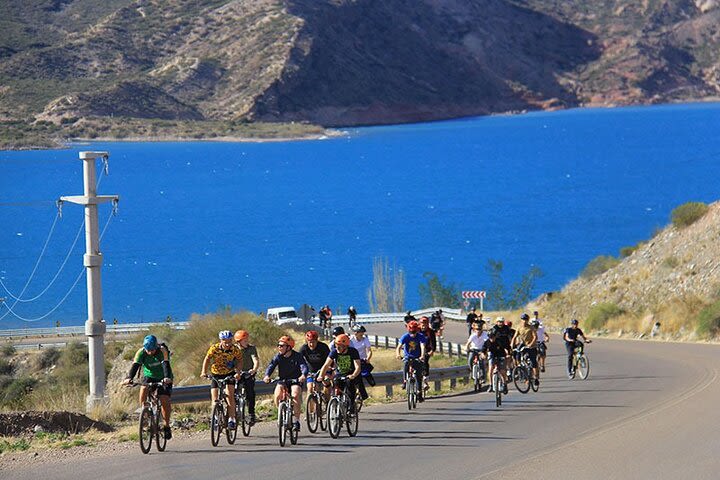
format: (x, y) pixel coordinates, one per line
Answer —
(201, 393)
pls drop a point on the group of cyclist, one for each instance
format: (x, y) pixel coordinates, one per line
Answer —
(347, 358)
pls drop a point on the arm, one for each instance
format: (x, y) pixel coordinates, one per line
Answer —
(270, 368)
(167, 371)
(369, 352)
(206, 361)
(397, 351)
(356, 373)
(256, 364)
(325, 367)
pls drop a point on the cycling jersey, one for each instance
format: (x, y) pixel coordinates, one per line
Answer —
(411, 344)
(315, 358)
(289, 368)
(494, 349)
(224, 360)
(345, 362)
(151, 364)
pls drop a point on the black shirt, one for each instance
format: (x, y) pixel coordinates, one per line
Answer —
(345, 362)
(291, 367)
(572, 334)
(495, 349)
(315, 358)
(471, 318)
(431, 344)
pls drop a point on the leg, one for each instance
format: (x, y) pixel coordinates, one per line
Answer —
(250, 394)
(166, 408)
(278, 393)
(230, 390)
(570, 348)
(297, 398)
(361, 387)
(143, 395)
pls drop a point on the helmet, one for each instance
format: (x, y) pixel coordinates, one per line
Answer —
(413, 326)
(536, 313)
(241, 335)
(225, 335)
(287, 340)
(524, 316)
(574, 321)
(342, 339)
(311, 335)
(409, 312)
(338, 331)
(150, 342)
(358, 328)
(500, 319)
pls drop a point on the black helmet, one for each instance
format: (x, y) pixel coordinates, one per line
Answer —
(358, 328)
(338, 331)
(574, 321)
(524, 316)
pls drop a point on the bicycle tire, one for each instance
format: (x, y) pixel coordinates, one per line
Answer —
(351, 422)
(412, 393)
(476, 377)
(282, 428)
(321, 412)
(312, 413)
(216, 424)
(333, 417)
(145, 430)
(583, 367)
(160, 440)
(534, 387)
(291, 429)
(496, 389)
(358, 402)
(521, 379)
(244, 418)
(231, 433)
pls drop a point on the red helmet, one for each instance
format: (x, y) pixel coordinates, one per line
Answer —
(413, 326)
(342, 340)
(508, 323)
(241, 335)
(288, 340)
(311, 335)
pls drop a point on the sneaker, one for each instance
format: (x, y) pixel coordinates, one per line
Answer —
(542, 369)
(505, 390)
(167, 433)
(251, 419)
(231, 424)
(537, 382)
(296, 426)
(490, 389)
(421, 399)
(426, 386)
(403, 385)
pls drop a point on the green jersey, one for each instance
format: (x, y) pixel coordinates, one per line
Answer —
(152, 364)
(248, 353)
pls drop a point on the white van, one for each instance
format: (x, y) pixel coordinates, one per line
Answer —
(282, 315)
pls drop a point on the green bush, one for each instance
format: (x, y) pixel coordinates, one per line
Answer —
(7, 350)
(15, 392)
(708, 321)
(598, 266)
(6, 367)
(627, 251)
(47, 358)
(72, 366)
(688, 213)
(600, 314)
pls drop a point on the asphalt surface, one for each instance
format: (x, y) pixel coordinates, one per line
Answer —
(648, 410)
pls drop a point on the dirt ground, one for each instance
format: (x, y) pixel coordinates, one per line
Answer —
(27, 423)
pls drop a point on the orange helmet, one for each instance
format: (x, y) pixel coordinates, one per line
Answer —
(287, 340)
(311, 335)
(342, 340)
(413, 326)
(241, 335)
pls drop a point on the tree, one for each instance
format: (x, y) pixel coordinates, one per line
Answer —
(387, 292)
(497, 297)
(438, 293)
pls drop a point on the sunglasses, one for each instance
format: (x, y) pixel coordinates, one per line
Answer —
(282, 345)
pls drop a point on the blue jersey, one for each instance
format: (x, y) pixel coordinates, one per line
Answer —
(411, 345)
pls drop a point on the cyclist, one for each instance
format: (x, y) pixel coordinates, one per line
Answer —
(315, 353)
(409, 317)
(502, 331)
(526, 336)
(542, 340)
(291, 368)
(335, 332)
(475, 342)
(570, 335)
(347, 363)
(430, 347)
(352, 316)
(496, 355)
(226, 358)
(471, 318)
(155, 361)
(437, 322)
(362, 344)
(250, 366)
(413, 344)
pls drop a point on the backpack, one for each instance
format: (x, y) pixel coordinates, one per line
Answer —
(435, 322)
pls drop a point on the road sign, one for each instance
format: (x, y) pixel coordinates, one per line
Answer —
(473, 294)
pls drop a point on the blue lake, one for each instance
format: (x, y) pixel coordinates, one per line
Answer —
(254, 225)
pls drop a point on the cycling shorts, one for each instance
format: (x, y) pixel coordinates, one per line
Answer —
(215, 378)
(541, 348)
(499, 361)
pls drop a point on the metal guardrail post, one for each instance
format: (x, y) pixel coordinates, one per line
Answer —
(453, 383)
(437, 385)
(388, 391)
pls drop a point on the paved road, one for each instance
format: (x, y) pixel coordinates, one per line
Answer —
(648, 410)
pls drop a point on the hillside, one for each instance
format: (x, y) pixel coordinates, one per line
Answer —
(670, 279)
(346, 62)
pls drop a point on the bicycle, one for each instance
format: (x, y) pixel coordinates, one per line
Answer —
(522, 373)
(411, 384)
(478, 370)
(242, 416)
(285, 413)
(150, 418)
(339, 409)
(315, 407)
(220, 414)
(580, 362)
(498, 385)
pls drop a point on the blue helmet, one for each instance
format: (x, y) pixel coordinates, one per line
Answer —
(150, 342)
(225, 335)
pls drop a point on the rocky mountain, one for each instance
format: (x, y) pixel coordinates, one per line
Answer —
(348, 62)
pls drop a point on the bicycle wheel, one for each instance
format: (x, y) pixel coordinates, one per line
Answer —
(322, 405)
(583, 367)
(282, 428)
(312, 413)
(496, 388)
(289, 423)
(351, 422)
(217, 422)
(534, 387)
(160, 439)
(358, 402)
(243, 416)
(333, 417)
(146, 430)
(231, 433)
(521, 379)
(476, 377)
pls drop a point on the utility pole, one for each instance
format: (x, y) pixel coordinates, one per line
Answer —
(95, 325)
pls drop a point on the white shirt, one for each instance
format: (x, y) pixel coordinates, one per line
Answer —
(541, 333)
(362, 346)
(478, 340)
